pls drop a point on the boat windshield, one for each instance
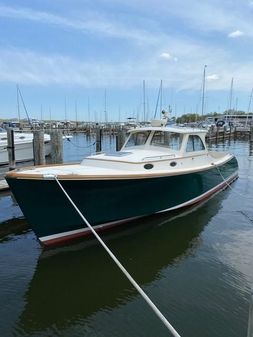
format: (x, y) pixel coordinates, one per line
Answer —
(2, 130)
(137, 138)
(172, 140)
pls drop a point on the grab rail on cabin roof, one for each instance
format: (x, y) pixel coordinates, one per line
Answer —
(159, 156)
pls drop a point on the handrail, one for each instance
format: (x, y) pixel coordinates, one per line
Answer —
(159, 156)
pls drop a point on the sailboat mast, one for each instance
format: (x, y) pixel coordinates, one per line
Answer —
(105, 103)
(76, 112)
(144, 101)
(18, 106)
(203, 90)
(250, 98)
(231, 94)
(161, 97)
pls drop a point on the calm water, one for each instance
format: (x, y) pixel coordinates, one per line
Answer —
(197, 266)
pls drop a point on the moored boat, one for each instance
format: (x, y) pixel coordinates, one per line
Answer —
(23, 143)
(158, 169)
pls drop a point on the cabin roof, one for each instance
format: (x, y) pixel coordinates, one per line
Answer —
(177, 129)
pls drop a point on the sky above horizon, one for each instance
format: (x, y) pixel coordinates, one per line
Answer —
(87, 59)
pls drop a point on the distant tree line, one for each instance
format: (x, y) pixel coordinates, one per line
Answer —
(191, 118)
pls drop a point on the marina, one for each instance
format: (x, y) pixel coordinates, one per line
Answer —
(126, 169)
(192, 263)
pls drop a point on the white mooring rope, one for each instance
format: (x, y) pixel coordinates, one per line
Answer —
(137, 287)
(229, 185)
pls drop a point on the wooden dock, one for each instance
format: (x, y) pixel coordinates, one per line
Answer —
(3, 185)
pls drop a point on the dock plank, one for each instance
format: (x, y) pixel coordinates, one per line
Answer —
(3, 185)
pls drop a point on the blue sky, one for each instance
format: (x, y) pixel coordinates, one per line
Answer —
(73, 51)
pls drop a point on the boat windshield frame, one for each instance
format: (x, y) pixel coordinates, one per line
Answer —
(167, 139)
(138, 138)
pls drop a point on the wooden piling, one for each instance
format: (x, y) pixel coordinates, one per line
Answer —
(98, 139)
(251, 144)
(217, 134)
(38, 147)
(56, 147)
(11, 149)
(120, 140)
(251, 133)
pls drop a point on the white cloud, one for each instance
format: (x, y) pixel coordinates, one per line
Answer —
(236, 33)
(168, 57)
(87, 22)
(212, 77)
(26, 67)
(165, 56)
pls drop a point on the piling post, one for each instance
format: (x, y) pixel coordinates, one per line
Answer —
(251, 142)
(56, 147)
(120, 140)
(235, 133)
(11, 149)
(98, 139)
(38, 147)
(217, 134)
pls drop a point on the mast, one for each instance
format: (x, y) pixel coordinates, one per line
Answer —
(106, 118)
(203, 90)
(50, 117)
(231, 96)
(76, 112)
(18, 104)
(250, 99)
(23, 103)
(41, 112)
(144, 101)
(89, 109)
(65, 109)
(161, 97)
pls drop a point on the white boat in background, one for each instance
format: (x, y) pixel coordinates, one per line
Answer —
(23, 143)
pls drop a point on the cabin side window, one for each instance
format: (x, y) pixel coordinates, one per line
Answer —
(138, 138)
(171, 140)
(194, 144)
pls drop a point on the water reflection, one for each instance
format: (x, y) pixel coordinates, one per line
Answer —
(72, 283)
(9, 210)
(251, 148)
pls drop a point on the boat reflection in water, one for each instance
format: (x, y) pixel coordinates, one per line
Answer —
(73, 283)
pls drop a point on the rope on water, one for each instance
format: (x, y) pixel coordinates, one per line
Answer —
(79, 146)
(246, 216)
(229, 185)
(125, 272)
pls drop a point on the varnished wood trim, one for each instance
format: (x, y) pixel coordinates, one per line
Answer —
(146, 175)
